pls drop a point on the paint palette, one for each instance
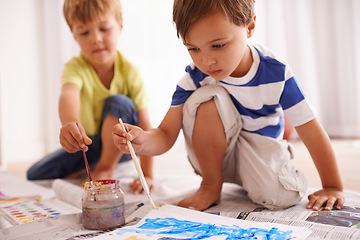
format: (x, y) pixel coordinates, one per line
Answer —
(29, 211)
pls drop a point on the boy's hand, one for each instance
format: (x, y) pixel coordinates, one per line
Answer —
(134, 134)
(73, 138)
(136, 186)
(326, 197)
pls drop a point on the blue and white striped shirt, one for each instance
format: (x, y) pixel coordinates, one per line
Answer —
(262, 97)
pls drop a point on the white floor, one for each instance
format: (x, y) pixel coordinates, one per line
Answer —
(175, 163)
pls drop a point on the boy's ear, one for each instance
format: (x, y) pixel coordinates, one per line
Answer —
(251, 27)
(121, 25)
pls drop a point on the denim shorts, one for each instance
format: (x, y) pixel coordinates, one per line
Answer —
(60, 163)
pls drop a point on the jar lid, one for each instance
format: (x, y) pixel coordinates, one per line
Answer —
(99, 185)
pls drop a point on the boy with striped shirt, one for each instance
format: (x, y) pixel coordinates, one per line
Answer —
(231, 105)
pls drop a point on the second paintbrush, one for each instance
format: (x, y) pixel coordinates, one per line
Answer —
(137, 166)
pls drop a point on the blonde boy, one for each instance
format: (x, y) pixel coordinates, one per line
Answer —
(231, 105)
(98, 86)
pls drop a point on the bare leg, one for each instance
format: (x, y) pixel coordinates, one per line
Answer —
(209, 143)
(110, 154)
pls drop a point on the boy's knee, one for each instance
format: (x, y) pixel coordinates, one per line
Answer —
(120, 106)
(31, 175)
(207, 109)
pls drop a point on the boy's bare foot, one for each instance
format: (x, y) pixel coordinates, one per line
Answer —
(202, 199)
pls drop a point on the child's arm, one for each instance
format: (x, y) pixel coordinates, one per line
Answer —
(71, 139)
(319, 146)
(154, 141)
(147, 162)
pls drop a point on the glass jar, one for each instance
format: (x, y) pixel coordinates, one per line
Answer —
(103, 205)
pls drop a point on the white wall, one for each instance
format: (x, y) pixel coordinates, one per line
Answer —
(21, 63)
(35, 42)
(35, 36)
(149, 40)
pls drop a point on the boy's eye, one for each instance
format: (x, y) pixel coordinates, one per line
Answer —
(84, 33)
(218, 45)
(104, 29)
(193, 49)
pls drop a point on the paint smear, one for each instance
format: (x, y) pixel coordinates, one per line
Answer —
(171, 228)
(6, 198)
(135, 238)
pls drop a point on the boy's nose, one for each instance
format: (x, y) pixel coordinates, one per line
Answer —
(208, 60)
(96, 38)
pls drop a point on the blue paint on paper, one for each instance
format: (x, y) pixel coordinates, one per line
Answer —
(170, 228)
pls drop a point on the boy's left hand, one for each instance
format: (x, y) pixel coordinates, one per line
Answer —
(326, 197)
(136, 186)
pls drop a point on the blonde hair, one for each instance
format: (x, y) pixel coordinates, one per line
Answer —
(187, 12)
(90, 10)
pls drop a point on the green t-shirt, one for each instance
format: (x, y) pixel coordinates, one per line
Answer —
(126, 81)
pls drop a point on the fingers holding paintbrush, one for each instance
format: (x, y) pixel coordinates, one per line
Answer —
(73, 137)
(137, 165)
(85, 140)
(124, 133)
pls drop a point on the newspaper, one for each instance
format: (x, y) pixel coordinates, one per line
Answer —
(335, 224)
(234, 203)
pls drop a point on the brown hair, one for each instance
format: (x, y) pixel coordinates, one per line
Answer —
(186, 12)
(89, 10)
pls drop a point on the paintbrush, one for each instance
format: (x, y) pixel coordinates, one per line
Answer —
(137, 166)
(86, 164)
(86, 161)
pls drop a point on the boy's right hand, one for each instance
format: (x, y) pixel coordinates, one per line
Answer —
(73, 137)
(133, 134)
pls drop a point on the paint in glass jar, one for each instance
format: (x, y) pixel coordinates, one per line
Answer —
(103, 205)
